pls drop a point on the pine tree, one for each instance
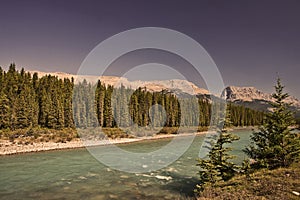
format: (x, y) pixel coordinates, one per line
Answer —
(4, 111)
(227, 120)
(99, 99)
(274, 145)
(21, 111)
(218, 166)
(90, 106)
(68, 112)
(107, 113)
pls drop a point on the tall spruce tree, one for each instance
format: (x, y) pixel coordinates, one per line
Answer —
(4, 111)
(227, 120)
(67, 103)
(274, 145)
(219, 165)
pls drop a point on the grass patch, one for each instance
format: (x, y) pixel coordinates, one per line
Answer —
(34, 135)
(176, 130)
(264, 184)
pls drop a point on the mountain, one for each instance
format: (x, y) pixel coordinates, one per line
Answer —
(174, 85)
(254, 98)
(247, 96)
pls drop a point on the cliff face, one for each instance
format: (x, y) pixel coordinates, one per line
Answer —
(252, 95)
(234, 93)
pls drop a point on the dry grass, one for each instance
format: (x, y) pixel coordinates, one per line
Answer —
(174, 130)
(265, 184)
(29, 136)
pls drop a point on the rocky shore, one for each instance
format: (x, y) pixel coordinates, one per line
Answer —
(9, 148)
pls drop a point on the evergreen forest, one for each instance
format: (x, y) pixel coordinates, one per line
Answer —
(29, 101)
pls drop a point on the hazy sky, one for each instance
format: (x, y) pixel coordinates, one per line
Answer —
(250, 41)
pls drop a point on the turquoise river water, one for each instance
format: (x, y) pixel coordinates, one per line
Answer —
(76, 174)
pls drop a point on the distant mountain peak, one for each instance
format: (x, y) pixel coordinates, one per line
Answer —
(251, 94)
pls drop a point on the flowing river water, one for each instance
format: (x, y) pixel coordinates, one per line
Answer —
(76, 174)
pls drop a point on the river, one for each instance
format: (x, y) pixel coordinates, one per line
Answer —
(76, 174)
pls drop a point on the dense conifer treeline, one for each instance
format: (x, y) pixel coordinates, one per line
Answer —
(30, 101)
(123, 107)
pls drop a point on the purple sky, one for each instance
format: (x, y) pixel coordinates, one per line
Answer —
(250, 41)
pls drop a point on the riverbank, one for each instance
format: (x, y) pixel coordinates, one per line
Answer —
(10, 148)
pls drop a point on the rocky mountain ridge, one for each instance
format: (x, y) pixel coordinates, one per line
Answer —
(241, 95)
(252, 94)
(155, 85)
